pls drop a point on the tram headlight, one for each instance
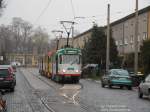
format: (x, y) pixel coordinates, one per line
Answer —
(76, 70)
(64, 70)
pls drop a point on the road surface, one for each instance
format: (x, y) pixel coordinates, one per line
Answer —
(35, 93)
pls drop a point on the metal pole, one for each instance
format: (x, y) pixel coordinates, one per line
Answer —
(123, 47)
(72, 35)
(68, 39)
(108, 39)
(57, 44)
(136, 40)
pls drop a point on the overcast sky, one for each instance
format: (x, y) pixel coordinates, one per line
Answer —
(58, 10)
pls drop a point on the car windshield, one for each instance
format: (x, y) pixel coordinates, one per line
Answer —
(3, 72)
(70, 59)
(121, 72)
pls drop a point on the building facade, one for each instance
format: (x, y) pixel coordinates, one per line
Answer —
(80, 40)
(63, 41)
(23, 59)
(123, 31)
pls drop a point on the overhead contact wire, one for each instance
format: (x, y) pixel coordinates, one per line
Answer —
(43, 11)
(73, 10)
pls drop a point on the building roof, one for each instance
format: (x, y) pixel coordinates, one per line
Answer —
(89, 30)
(130, 16)
(118, 21)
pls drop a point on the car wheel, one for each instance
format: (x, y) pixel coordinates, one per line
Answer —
(121, 87)
(103, 85)
(129, 88)
(140, 94)
(110, 86)
(12, 89)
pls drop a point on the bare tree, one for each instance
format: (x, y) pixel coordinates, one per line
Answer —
(16, 28)
(20, 37)
(41, 40)
(26, 30)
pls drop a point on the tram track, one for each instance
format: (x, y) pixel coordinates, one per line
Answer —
(51, 84)
(82, 105)
(34, 99)
(64, 95)
(54, 85)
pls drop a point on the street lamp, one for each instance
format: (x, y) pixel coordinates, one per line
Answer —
(136, 40)
(108, 40)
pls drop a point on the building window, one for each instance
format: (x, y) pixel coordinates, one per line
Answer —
(84, 39)
(126, 24)
(144, 35)
(139, 38)
(132, 46)
(131, 40)
(116, 28)
(132, 22)
(116, 43)
(121, 43)
(125, 41)
(144, 20)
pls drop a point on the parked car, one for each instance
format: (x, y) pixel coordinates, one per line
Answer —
(13, 72)
(117, 77)
(144, 87)
(14, 68)
(136, 78)
(7, 78)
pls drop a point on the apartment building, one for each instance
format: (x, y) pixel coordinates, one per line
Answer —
(123, 31)
(80, 40)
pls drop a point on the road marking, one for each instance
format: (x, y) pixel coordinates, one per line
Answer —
(46, 105)
(72, 99)
(75, 102)
(71, 86)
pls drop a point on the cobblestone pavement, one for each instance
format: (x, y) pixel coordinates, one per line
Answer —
(39, 94)
(35, 93)
(24, 99)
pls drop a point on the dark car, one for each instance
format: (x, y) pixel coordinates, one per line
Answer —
(7, 79)
(13, 72)
(117, 77)
(14, 68)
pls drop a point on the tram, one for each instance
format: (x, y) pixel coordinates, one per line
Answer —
(62, 65)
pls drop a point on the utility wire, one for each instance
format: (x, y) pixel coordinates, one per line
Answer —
(43, 11)
(73, 10)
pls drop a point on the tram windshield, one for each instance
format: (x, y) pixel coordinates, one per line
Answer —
(70, 59)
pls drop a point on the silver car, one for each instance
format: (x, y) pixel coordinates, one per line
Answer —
(144, 87)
